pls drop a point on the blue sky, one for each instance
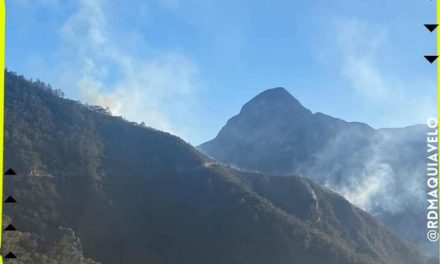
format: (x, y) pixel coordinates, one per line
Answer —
(186, 66)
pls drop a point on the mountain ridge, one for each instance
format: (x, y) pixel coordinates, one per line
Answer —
(120, 192)
(351, 158)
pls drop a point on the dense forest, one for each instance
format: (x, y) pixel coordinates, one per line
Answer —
(95, 188)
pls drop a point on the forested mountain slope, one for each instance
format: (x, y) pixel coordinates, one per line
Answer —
(380, 170)
(92, 187)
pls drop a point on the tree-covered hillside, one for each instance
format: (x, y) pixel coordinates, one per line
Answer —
(380, 170)
(94, 188)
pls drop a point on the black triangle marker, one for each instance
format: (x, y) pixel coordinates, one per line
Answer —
(10, 255)
(10, 172)
(10, 228)
(10, 199)
(431, 58)
(431, 27)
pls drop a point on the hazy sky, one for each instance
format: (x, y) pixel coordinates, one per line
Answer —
(186, 66)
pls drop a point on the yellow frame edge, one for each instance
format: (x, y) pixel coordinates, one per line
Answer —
(2, 108)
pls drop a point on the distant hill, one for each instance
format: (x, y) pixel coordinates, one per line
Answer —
(94, 188)
(380, 170)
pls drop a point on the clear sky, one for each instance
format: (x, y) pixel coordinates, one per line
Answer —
(186, 66)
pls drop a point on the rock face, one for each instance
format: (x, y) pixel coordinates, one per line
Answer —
(380, 170)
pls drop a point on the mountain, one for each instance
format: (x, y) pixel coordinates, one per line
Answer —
(380, 170)
(95, 188)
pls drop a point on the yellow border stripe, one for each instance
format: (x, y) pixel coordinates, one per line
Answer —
(2, 108)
